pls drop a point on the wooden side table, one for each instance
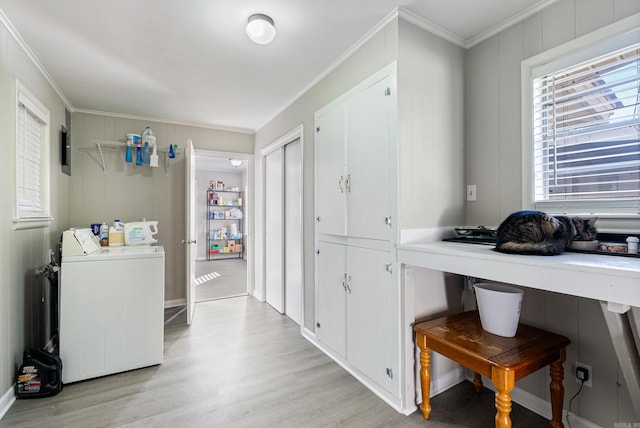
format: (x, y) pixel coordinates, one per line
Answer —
(504, 360)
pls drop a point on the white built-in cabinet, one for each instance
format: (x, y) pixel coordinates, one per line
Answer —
(357, 292)
(354, 152)
(354, 294)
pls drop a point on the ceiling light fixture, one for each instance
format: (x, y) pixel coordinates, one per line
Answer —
(260, 29)
(235, 162)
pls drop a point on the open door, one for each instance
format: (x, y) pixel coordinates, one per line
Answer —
(190, 231)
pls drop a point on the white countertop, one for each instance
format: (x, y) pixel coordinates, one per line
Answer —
(608, 278)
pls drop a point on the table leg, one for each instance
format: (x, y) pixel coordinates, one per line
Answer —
(557, 390)
(504, 381)
(425, 381)
(477, 382)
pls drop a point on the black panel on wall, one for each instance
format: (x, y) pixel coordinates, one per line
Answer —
(65, 143)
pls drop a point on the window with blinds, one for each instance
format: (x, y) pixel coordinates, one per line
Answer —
(586, 130)
(32, 158)
(28, 178)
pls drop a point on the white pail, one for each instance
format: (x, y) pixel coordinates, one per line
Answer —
(499, 307)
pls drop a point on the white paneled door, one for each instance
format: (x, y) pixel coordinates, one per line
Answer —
(274, 229)
(293, 231)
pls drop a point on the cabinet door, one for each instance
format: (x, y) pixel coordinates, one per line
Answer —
(330, 161)
(368, 160)
(369, 319)
(331, 297)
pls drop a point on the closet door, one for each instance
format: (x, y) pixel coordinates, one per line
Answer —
(274, 222)
(293, 231)
(368, 159)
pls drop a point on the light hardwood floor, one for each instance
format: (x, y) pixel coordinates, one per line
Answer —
(241, 364)
(219, 279)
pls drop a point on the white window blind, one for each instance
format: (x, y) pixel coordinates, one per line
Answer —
(29, 156)
(586, 130)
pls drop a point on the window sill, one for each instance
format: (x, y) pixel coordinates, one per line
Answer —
(31, 223)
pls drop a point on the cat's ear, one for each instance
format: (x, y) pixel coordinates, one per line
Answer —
(592, 221)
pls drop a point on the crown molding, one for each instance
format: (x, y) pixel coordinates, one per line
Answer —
(172, 122)
(32, 57)
(429, 26)
(509, 22)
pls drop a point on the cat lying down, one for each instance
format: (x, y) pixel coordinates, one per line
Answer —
(534, 232)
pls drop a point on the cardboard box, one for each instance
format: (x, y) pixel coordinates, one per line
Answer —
(238, 248)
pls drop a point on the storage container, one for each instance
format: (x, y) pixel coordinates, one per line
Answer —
(499, 306)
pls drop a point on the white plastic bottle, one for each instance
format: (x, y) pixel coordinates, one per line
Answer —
(104, 235)
(148, 143)
(632, 245)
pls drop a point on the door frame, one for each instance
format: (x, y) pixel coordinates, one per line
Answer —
(261, 246)
(249, 208)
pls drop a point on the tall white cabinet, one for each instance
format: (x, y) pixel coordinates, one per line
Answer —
(357, 293)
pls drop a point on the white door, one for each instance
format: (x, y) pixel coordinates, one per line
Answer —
(331, 177)
(369, 309)
(273, 242)
(293, 231)
(368, 157)
(331, 315)
(190, 239)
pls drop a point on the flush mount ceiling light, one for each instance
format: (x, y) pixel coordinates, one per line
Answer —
(235, 162)
(260, 29)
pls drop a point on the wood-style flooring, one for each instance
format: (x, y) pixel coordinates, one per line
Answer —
(220, 279)
(242, 364)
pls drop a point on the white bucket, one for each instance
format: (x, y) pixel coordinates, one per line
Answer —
(499, 307)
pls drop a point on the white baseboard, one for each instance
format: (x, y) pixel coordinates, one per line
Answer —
(7, 401)
(540, 406)
(174, 303)
(447, 381)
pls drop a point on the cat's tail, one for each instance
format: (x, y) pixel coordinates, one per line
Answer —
(545, 248)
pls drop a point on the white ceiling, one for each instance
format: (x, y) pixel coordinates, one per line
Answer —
(191, 61)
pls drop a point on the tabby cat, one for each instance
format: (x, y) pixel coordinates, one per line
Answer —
(534, 232)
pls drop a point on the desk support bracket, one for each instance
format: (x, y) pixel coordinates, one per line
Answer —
(626, 345)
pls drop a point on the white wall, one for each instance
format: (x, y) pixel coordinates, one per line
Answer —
(21, 252)
(431, 82)
(493, 163)
(129, 193)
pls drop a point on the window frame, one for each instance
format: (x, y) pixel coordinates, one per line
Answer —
(24, 218)
(614, 215)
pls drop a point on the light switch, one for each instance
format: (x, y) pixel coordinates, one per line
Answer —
(471, 192)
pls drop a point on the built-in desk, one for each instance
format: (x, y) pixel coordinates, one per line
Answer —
(614, 281)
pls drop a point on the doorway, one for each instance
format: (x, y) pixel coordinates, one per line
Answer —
(221, 268)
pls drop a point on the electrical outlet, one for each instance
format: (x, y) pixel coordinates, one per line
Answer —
(583, 373)
(471, 192)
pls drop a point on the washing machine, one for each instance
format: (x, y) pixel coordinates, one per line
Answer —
(111, 307)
